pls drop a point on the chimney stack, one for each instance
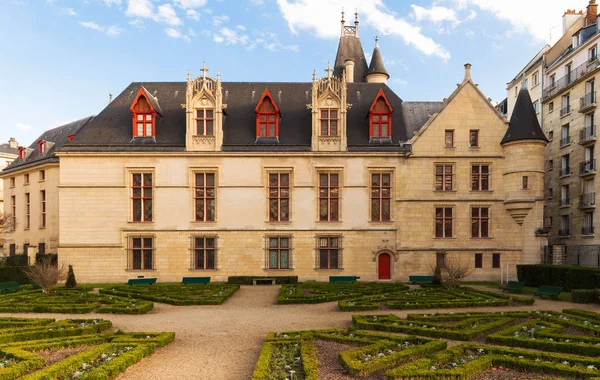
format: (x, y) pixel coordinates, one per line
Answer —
(12, 143)
(109, 98)
(592, 12)
(467, 71)
(569, 18)
(349, 71)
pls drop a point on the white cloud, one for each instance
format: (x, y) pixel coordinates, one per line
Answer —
(240, 27)
(68, 11)
(435, 14)
(323, 19)
(257, 2)
(92, 25)
(218, 20)
(173, 33)
(111, 2)
(230, 37)
(111, 31)
(176, 34)
(140, 8)
(269, 41)
(166, 14)
(192, 14)
(185, 4)
(23, 127)
(400, 81)
(137, 23)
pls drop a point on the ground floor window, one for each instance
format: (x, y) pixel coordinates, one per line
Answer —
(42, 248)
(141, 253)
(496, 260)
(12, 249)
(440, 259)
(279, 252)
(204, 253)
(329, 254)
(479, 260)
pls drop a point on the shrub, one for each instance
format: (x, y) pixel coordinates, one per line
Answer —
(569, 277)
(53, 257)
(585, 296)
(71, 282)
(14, 274)
(17, 260)
(45, 275)
(247, 280)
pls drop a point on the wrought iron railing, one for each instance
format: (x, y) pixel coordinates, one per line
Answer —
(580, 71)
(587, 200)
(587, 167)
(587, 134)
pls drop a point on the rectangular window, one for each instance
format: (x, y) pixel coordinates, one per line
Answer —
(480, 177)
(440, 260)
(12, 181)
(27, 210)
(536, 106)
(480, 222)
(536, 78)
(43, 208)
(26, 248)
(42, 248)
(550, 135)
(26, 179)
(443, 222)
(142, 197)
(565, 137)
(204, 122)
(279, 197)
(329, 252)
(525, 182)
(550, 106)
(42, 175)
(444, 177)
(381, 195)
(474, 138)
(329, 192)
(479, 260)
(552, 80)
(205, 253)
(141, 252)
(279, 252)
(449, 136)
(13, 201)
(593, 53)
(329, 122)
(12, 249)
(565, 168)
(205, 197)
(143, 125)
(495, 260)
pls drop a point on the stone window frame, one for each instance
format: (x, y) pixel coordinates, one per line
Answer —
(279, 248)
(339, 250)
(143, 250)
(380, 171)
(194, 250)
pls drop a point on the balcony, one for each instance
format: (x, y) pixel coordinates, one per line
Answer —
(565, 110)
(564, 172)
(587, 102)
(587, 200)
(563, 232)
(587, 168)
(587, 230)
(565, 201)
(566, 140)
(587, 135)
(574, 75)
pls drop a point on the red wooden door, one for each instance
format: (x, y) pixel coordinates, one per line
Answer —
(384, 267)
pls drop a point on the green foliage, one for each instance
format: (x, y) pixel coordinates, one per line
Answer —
(53, 257)
(569, 277)
(585, 296)
(71, 282)
(278, 360)
(176, 294)
(18, 261)
(318, 292)
(14, 273)
(247, 280)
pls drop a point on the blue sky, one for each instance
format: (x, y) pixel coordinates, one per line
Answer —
(61, 58)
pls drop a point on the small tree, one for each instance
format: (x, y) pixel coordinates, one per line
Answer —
(453, 272)
(6, 225)
(45, 275)
(71, 282)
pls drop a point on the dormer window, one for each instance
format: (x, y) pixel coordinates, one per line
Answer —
(143, 125)
(21, 153)
(42, 147)
(380, 115)
(144, 114)
(204, 122)
(329, 122)
(267, 117)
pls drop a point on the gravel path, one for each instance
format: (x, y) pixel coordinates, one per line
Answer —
(223, 342)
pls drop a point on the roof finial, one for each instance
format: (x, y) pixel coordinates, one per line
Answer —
(314, 75)
(109, 98)
(329, 69)
(356, 16)
(376, 41)
(343, 15)
(189, 77)
(204, 69)
(524, 82)
(218, 76)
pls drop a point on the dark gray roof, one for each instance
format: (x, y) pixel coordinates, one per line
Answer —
(350, 48)
(59, 136)
(5, 148)
(416, 114)
(524, 124)
(153, 101)
(376, 66)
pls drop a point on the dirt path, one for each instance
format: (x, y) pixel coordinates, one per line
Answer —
(223, 342)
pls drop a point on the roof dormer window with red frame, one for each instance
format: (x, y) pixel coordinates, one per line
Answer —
(42, 146)
(380, 118)
(267, 117)
(21, 153)
(143, 115)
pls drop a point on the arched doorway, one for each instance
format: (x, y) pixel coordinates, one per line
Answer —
(384, 266)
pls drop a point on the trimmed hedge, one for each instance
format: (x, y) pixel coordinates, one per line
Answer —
(176, 294)
(247, 280)
(14, 273)
(585, 296)
(53, 257)
(569, 277)
(308, 354)
(21, 260)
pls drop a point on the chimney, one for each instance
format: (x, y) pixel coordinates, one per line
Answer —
(592, 12)
(569, 18)
(467, 71)
(12, 143)
(109, 98)
(349, 71)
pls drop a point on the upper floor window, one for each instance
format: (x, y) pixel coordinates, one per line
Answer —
(474, 138)
(13, 203)
(569, 72)
(26, 179)
(480, 177)
(449, 138)
(329, 122)
(279, 197)
(143, 114)
(204, 197)
(142, 197)
(12, 181)
(480, 222)
(42, 175)
(536, 78)
(443, 222)
(536, 106)
(27, 210)
(329, 193)
(380, 115)
(204, 122)
(525, 182)
(552, 80)
(381, 195)
(267, 117)
(21, 153)
(550, 106)
(593, 53)
(42, 146)
(444, 177)
(43, 208)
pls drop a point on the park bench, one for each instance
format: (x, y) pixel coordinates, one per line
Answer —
(141, 281)
(195, 280)
(263, 281)
(549, 291)
(513, 286)
(415, 279)
(7, 287)
(343, 278)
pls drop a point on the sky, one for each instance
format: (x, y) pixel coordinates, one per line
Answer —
(60, 59)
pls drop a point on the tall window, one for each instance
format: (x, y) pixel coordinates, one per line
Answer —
(593, 53)
(42, 175)
(474, 138)
(12, 181)
(142, 197)
(42, 248)
(204, 253)
(480, 222)
(329, 192)
(13, 202)
(141, 252)
(444, 177)
(525, 182)
(443, 222)
(496, 260)
(267, 117)
(279, 253)
(449, 138)
(536, 78)
(12, 249)
(479, 260)
(329, 252)
(26, 179)
(43, 208)
(381, 195)
(204, 122)
(204, 197)
(279, 197)
(381, 118)
(440, 259)
(27, 210)
(329, 122)
(143, 114)
(552, 80)
(480, 177)
(536, 106)
(41, 146)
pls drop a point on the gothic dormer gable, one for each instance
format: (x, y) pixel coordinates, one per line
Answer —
(267, 118)
(145, 110)
(380, 119)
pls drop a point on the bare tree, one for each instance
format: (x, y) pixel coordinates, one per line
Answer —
(454, 271)
(46, 275)
(6, 225)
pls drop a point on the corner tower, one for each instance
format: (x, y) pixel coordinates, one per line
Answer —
(350, 50)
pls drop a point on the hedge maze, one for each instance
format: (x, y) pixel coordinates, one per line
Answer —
(444, 346)
(36, 349)
(176, 294)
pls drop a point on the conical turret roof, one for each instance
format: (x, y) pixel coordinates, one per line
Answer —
(524, 124)
(377, 66)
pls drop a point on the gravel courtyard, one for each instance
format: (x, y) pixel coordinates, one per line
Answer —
(224, 341)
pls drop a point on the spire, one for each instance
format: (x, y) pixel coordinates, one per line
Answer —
(524, 124)
(204, 69)
(376, 66)
(343, 23)
(350, 48)
(356, 23)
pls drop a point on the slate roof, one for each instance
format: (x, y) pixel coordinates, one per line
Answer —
(350, 48)
(524, 124)
(416, 114)
(5, 148)
(376, 66)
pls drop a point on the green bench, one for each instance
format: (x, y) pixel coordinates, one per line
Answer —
(195, 280)
(549, 291)
(7, 287)
(141, 281)
(513, 286)
(415, 279)
(343, 278)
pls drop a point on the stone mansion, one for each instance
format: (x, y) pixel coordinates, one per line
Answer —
(333, 176)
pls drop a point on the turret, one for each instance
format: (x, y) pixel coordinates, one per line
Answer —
(377, 72)
(350, 48)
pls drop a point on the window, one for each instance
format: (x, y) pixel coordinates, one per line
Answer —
(536, 78)
(329, 252)
(267, 117)
(550, 164)
(550, 135)
(588, 224)
(12, 249)
(144, 115)
(380, 115)
(144, 125)
(552, 80)
(381, 192)
(204, 253)
(42, 248)
(566, 105)
(204, 122)
(13, 201)
(593, 53)
(42, 147)
(329, 192)
(27, 210)
(495, 260)
(536, 106)
(564, 195)
(204, 197)
(329, 122)
(43, 208)
(42, 175)
(22, 152)
(444, 177)
(565, 168)
(550, 192)
(443, 222)
(279, 197)
(26, 179)
(142, 197)
(279, 253)
(479, 260)
(525, 183)
(550, 106)
(480, 222)
(474, 138)
(565, 137)
(569, 72)
(564, 226)
(480, 177)
(449, 136)
(26, 248)
(440, 260)
(12, 181)
(141, 253)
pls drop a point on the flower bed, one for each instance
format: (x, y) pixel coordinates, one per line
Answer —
(287, 360)
(318, 292)
(176, 294)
